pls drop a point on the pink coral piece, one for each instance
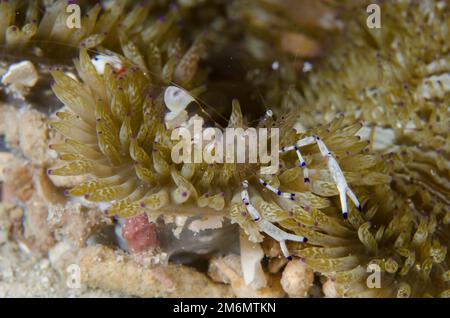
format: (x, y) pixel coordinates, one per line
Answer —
(140, 234)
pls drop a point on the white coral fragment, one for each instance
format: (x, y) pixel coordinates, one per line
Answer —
(19, 78)
(251, 256)
(21, 74)
(207, 223)
(297, 279)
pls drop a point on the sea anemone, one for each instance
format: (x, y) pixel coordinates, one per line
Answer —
(393, 78)
(115, 133)
(117, 126)
(134, 29)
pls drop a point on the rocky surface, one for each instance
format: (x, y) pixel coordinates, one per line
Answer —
(22, 275)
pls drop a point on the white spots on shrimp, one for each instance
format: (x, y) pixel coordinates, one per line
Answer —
(101, 60)
(176, 100)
